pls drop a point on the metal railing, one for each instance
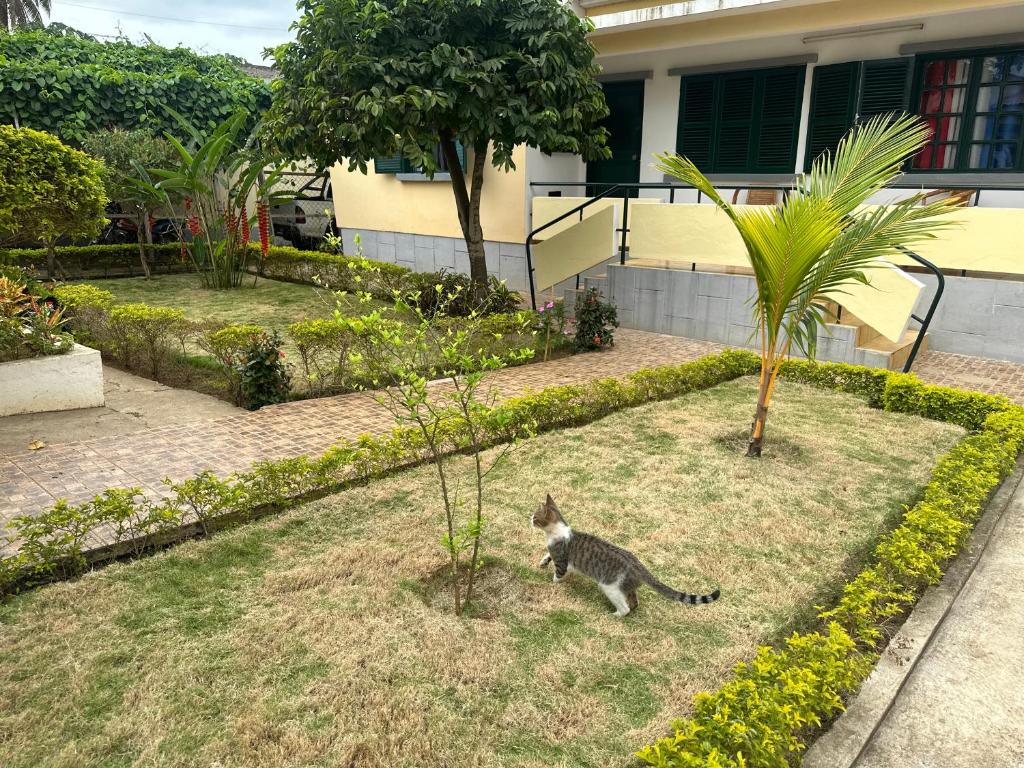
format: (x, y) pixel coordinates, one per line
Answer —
(626, 187)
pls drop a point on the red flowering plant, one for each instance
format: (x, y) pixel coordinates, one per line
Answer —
(596, 320)
(216, 179)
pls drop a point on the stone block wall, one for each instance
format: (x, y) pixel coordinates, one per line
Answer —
(976, 316)
(429, 253)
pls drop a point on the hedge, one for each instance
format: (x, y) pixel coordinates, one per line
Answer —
(763, 716)
(340, 273)
(83, 261)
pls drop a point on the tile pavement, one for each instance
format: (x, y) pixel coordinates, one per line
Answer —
(32, 481)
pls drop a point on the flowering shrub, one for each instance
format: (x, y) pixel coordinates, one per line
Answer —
(595, 321)
(263, 377)
(551, 327)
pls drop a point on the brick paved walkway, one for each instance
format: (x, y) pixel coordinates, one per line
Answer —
(32, 481)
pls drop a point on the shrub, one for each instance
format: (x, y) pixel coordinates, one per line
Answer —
(48, 190)
(263, 378)
(324, 347)
(81, 261)
(595, 320)
(456, 290)
(29, 327)
(337, 272)
(139, 330)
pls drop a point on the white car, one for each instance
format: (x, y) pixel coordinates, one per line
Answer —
(302, 223)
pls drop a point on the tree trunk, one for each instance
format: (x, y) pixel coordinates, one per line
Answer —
(764, 396)
(140, 234)
(468, 205)
(51, 258)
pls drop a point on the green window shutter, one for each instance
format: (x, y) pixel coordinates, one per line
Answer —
(833, 105)
(695, 129)
(884, 87)
(782, 96)
(392, 164)
(461, 152)
(741, 122)
(854, 91)
(735, 122)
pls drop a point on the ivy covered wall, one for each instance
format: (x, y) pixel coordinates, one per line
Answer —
(70, 84)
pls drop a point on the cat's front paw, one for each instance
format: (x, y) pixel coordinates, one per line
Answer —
(545, 561)
(556, 578)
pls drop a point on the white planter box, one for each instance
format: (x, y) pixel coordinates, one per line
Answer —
(52, 383)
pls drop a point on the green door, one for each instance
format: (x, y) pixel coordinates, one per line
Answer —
(625, 124)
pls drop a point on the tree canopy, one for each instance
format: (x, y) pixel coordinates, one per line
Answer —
(377, 77)
(47, 189)
(369, 78)
(69, 84)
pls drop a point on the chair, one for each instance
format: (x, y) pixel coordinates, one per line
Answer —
(959, 198)
(758, 197)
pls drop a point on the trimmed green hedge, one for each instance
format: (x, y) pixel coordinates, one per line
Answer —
(765, 715)
(341, 273)
(84, 261)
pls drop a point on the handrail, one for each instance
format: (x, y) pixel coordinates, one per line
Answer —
(626, 186)
(567, 214)
(927, 321)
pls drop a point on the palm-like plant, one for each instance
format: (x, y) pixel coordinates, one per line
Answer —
(20, 13)
(821, 238)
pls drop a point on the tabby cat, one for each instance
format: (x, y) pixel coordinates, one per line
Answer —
(617, 571)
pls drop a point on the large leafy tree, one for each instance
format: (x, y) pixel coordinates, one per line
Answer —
(821, 238)
(47, 190)
(123, 153)
(368, 78)
(21, 13)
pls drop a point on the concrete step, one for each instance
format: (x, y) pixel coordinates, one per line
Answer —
(883, 353)
(596, 281)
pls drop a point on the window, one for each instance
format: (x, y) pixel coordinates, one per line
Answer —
(844, 94)
(398, 164)
(974, 105)
(741, 122)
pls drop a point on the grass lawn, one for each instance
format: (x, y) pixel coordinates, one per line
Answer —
(271, 304)
(317, 638)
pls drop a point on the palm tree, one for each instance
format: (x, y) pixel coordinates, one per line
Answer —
(21, 13)
(821, 237)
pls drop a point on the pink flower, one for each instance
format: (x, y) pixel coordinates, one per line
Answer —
(549, 305)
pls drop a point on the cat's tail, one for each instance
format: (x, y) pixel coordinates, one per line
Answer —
(673, 594)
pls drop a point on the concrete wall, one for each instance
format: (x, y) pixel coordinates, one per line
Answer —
(432, 253)
(52, 383)
(710, 306)
(977, 316)
(383, 202)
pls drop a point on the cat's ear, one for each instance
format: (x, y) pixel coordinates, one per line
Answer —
(550, 503)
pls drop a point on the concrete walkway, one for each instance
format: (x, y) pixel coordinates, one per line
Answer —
(132, 405)
(30, 481)
(949, 691)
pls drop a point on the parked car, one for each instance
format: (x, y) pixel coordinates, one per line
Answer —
(302, 223)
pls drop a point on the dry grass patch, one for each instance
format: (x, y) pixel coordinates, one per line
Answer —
(324, 637)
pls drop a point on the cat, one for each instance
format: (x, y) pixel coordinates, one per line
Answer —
(617, 571)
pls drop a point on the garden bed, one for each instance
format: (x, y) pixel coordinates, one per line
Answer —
(318, 638)
(52, 382)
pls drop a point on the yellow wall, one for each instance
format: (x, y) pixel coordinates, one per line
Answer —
(768, 22)
(380, 202)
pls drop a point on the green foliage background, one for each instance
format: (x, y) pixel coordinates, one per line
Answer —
(70, 85)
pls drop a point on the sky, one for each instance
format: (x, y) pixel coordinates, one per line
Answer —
(239, 27)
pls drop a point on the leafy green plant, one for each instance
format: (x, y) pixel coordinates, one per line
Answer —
(123, 153)
(210, 187)
(324, 347)
(48, 190)
(139, 330)
(821, 238)
(367, 79)
(22, 13)
(70, 84)
(79, 261)
(263, 377)
(596, 320)
(29, 327)
(412, 351)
